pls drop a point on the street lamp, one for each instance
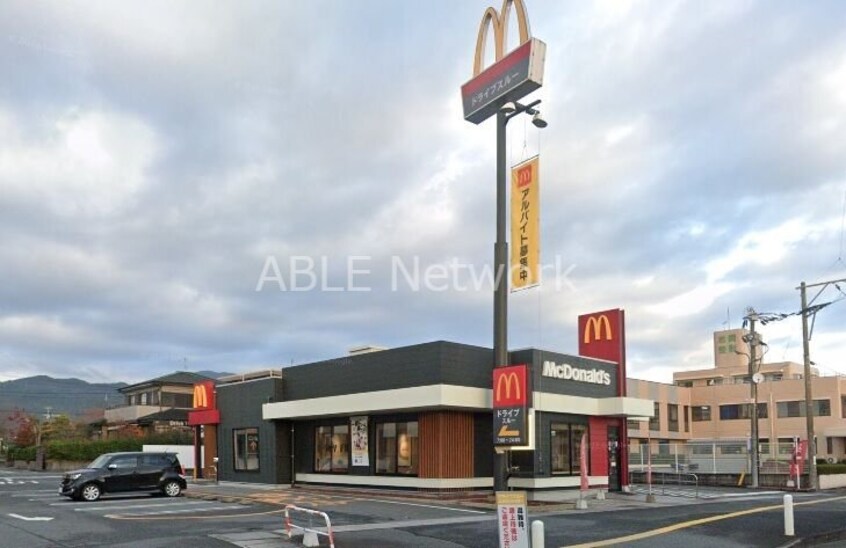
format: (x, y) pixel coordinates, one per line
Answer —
(505, 113)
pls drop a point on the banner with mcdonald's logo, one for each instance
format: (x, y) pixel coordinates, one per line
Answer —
(603, 335)
(525, 224)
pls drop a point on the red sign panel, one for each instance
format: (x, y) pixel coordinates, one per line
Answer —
(204, 395)
(510, 388)
(601, 335)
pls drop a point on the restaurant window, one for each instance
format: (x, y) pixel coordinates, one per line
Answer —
(655, 421)
(397, 448)
(332, 448)
(565, 446)
(673, 417)
(633, 425)
(701, 413)
(246, 447)
(686, 418)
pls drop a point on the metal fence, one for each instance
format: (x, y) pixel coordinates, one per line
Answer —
(709, 457)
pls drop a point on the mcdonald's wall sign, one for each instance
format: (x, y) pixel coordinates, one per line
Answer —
(205, 407)
(603, 335)
(512, 75)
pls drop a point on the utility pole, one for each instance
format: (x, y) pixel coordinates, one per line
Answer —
(809, 401)
(753, 341)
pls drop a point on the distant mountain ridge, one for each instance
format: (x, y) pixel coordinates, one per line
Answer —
(69, 396)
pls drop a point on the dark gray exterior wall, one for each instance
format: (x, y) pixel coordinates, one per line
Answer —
(240, 407)
(419, 365)
(439, 362)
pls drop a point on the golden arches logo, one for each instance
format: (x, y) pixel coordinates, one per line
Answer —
(507, 380)
(594, 325)
(201, 396)
(499, 22)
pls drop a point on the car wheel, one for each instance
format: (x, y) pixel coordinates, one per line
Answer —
(172, 488)
(90, 492)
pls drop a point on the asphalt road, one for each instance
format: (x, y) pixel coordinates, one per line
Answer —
(33, 515)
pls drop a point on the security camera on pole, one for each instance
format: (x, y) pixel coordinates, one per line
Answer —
(495, 91)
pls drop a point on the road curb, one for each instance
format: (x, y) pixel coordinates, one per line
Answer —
(815, 540)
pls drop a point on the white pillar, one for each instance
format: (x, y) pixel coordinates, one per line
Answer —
(537, 534)
(788, 515)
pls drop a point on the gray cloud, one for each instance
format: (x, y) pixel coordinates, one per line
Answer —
(155, 156)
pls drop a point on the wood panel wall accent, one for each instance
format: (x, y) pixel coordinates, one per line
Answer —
(446, 444)
(210, 449)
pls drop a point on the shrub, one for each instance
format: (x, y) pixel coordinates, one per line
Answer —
(22, 453)
(827, 469)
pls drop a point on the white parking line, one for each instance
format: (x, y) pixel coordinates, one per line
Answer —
(424, 506)
(206, 509)
(39, 477)
(88, 508)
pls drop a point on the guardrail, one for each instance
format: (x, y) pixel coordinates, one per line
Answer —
(289, 526)
(679, 481)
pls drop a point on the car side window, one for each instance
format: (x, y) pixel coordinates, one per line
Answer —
(124, 462)
(153, 460)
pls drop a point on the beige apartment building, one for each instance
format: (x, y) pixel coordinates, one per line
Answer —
(714, 405)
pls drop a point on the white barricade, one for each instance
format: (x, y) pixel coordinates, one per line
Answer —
(308, 531)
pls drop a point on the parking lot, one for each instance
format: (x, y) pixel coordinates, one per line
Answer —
(33, 514)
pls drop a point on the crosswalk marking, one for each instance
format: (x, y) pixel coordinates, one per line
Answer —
(709, 495)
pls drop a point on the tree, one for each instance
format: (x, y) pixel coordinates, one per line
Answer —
(24, 429)
(58, 428)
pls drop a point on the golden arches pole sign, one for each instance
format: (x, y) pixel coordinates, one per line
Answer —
(512, 75)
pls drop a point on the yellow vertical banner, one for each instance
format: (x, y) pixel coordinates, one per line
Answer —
(525, 224)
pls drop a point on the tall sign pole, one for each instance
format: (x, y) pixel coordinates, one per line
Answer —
(496, 90)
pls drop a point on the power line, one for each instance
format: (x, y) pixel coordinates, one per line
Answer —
(842, 225)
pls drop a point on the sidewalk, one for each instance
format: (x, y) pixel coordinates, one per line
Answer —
(283, 494)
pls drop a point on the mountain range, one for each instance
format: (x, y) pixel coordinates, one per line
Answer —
(41, 394)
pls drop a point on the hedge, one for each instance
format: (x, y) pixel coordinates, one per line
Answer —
(21, 453)
(87, 450)
(827, 469)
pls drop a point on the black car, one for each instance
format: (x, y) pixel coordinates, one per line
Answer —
(121, 472)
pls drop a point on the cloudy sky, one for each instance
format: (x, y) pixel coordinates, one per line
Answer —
(156, 158)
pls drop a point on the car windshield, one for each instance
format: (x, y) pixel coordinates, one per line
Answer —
(99, 462)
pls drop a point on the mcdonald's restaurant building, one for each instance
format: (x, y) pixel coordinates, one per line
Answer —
(422, 417)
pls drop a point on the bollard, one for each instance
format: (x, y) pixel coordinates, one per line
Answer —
(788, 515)
(537, 534)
